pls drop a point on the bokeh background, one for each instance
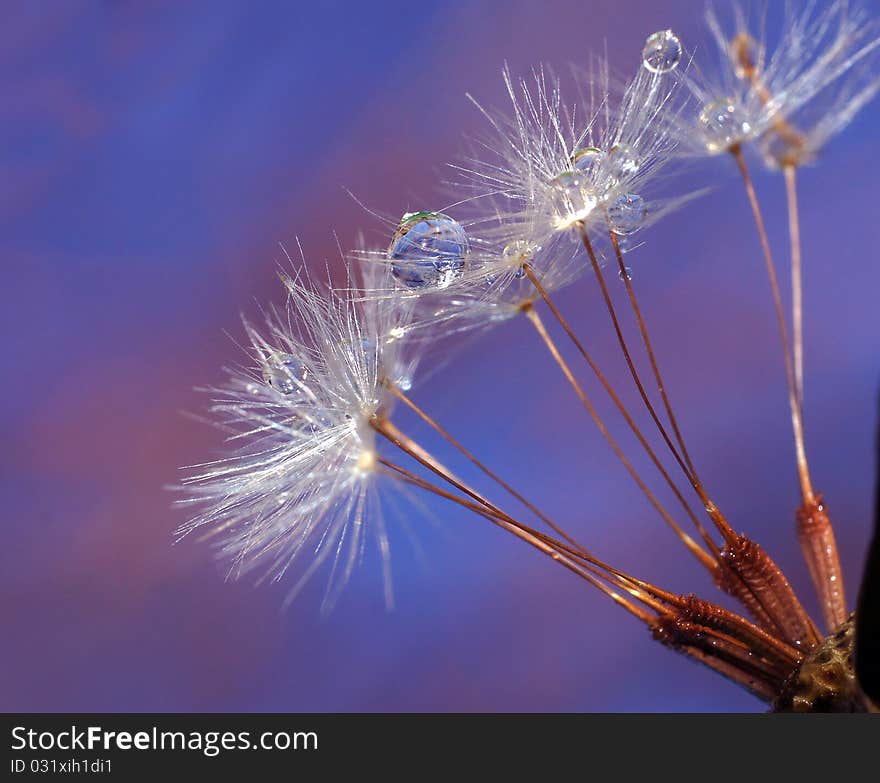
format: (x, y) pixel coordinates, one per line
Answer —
(153, 157)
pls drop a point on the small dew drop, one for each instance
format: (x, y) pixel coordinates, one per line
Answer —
(625, 274)
(284, 372)
(572, 198)
(627, 214)
(428, 250)
(662, 52)
(724, 123)
(587, 159)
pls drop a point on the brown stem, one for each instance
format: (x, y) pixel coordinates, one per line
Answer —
(597, 269)
(524, 534)
(815, 533)
(707, 560)
(741, 51)
(396, 391)
(692, 640)
(819, 547)
(714, 512)
(796, 420)
(797, 311)
(721, 640)
(620, 406)
(765, 644)
(406, 444)
(772, 590)
(655, 368)
(757, 686)
(635, 587)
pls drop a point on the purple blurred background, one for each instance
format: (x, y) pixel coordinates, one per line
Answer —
(153, 157)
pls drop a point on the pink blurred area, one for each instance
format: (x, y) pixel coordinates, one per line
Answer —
(155, 159)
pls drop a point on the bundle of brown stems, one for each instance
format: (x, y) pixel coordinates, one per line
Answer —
(779, 655)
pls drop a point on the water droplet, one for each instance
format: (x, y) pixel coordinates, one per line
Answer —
(284, 372)
(662, 52)
(625, 273)
(428, 250)
(403, 382)
(309, 419)
(627, 214)
(396, 333)
(622, 162)
(724, 123)
(572, 198)
(587, 159)
(517, 253)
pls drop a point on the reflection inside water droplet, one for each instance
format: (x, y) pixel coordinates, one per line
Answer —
(622, 162)
(662, 52)
(428, 249)
(587, 159)
(627, 214)
(724, 123)
(284, 372)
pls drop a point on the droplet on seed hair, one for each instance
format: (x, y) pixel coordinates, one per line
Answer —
(723, 123)
(587, 159)
(284, 372)
(622, 162)
(428, 250)
(662, 52)
(572, 198)
(627, 214)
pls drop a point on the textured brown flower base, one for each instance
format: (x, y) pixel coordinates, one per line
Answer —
(826, 680)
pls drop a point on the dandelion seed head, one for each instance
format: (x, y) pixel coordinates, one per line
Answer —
(792, 97)
(302, 470)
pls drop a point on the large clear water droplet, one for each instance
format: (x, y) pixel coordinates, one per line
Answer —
(622, 162)
(627, 214)
(724, 123)
(662, 52)
(587, 159)
(572, 198)
(517, 253)
(284, 372)
(428, 249)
